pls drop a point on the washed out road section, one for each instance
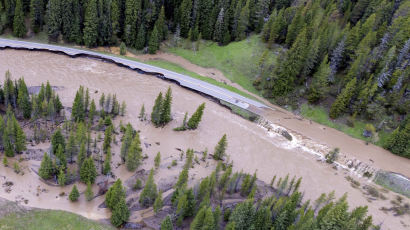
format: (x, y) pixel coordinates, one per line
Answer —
(183, 80)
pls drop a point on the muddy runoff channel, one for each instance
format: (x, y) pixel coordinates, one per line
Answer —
(252, 146)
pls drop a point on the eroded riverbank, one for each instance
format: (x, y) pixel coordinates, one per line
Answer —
(250, 147)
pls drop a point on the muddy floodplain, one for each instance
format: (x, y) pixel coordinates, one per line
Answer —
(250, 147)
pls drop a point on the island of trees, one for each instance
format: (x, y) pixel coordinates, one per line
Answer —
(78, 154)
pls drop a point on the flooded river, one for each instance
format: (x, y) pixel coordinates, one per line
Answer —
(250, 146)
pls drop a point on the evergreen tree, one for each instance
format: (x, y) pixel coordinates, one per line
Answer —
(196, 117)
(342, 100)
(62, 161)
(23, 99)
(107, 163)
(153, 44)
(91, 24)
(160, 25)
(120, 213)
(318, 88)
(134, 155)
(19, 28)
(61, 178)
(88, 173)
(140, 42)
(157, 160)
(142, 115)
(115, 193)
(89, 194)
(126, 142)
(149, 193)
(156, 110)
(158, 203)
(78, 107)
(185, 17)
(37, 15)
(165, 116)
(54, 19)
(220, 148)
(91, 112)
(46, 170)
(132, 11)
(166, 224)
(71, 146)
(107, 138)
(57, 139)
(74, 194)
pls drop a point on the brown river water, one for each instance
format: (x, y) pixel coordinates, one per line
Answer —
(250, 146)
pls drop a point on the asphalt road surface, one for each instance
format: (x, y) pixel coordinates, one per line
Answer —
(183, 80)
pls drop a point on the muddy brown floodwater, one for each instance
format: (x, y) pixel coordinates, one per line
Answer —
(251, 147)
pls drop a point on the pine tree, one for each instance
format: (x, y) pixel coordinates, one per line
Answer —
(196, 117)
(89, 194)
(185, 17)
(71, 149)
(220, 149)
(149, 193)
(88, 173)
(107, 163)
(166, 224)
(57, 139)
(318, 88)
(158, 203)
(132, 11)
(243, 21)
(107, 138)
(153, 44)
(157, 160)
(126, 142)
(134, 155)
(62, 161)
(23, 99)
(342, 100)
(74, 194)
(54, 19)
(19, 28)
(91, 24)
(115, 193)
(140, 42)
(120, 213)
(37, 15)
(46, 170)
(91, 112)
(61, 178)
(160, 24)
(20, 138)
(78, 107)
(165, 116)
(142, 115)
(156, 110)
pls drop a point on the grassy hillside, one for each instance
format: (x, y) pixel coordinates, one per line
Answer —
(48, 220)
(13, 216)
(238, 61)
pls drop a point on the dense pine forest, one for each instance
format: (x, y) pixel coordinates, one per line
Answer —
(352, 57)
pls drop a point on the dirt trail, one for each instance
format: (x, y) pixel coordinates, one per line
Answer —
(250, 147)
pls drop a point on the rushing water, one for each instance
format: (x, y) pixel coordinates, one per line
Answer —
(251, 147)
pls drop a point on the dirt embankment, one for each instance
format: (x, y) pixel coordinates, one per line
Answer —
(250, 147)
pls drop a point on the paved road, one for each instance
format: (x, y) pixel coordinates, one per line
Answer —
(186, 81)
